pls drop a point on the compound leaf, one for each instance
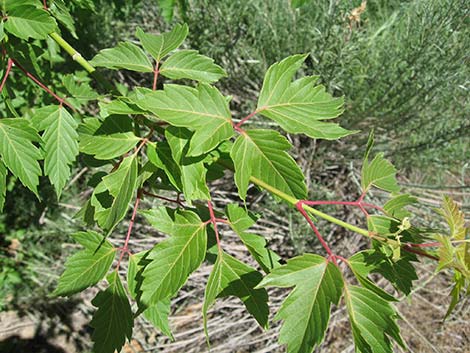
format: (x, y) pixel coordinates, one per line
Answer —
(191, 65)
(203, 110)
(113, 321)
(306, 311)
(18, 152)
(299, 106)
(88, 266)
(232, 277)
(125, 56)
(161, 45)
(174, 259)
(29, 22)
(262, 154)
(59, 142)
(373, 321)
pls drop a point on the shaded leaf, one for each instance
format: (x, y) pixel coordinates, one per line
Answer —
(240, 220)
(262, 154)
(112, 195)
(306, 311)
(113, 321)
(233, 277)
(88, 266)
(3, 184)
(109, 139)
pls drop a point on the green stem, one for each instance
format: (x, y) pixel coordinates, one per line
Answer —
(72, 52)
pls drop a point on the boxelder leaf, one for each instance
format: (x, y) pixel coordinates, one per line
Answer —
(306, 311)
(113, 321)
(262, 154)
(157, 313)
(174, 259)
(3, 184)
(395, 207)
(88, 266)
(79, 89)
(161, 45)
(191, 65)
(203, 110)
(240, 220)
(59, 142)
(125, 56)
(299, 106)
(233, 277)
(112, 195)
(192, 170)
(379, 173)
(362, 265)
(160, 156)
(29, 22)
(108, 139)
(60, 11)
(373, 321)
(18, 152)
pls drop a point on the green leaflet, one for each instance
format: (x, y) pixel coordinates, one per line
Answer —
(161, 45)
(395, 207)
(59, 142)
(29, 22)
(79, 89)
(125, 56)
(112, 195)
(373, 321)
(18, 152)
(192, 170)
(452, 255)
(109, 139)
(157, 313)
(203, 110)
(88, 266)
(379, 173)
(113, 321)
(191, 65)
(174, 259)
(3, 184)
(362, 264)
(262, 154)
(306, 311)
(160, 156)
(240, 221)
(299, 106)
(118, 106)
(232, 277)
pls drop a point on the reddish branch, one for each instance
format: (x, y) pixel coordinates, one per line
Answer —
(125, 248)
(241, 122)
(44, 4)
(213, 220)
(300, 207)
(43, 86)
(177, 200)
(155, 75)
(7, 73)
